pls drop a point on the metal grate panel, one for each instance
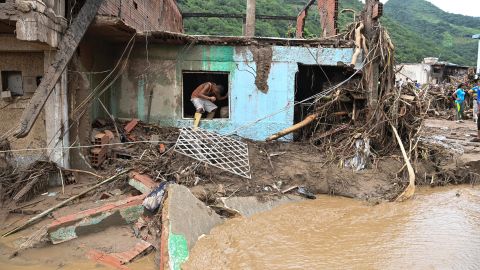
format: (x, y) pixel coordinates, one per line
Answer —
(219, 151)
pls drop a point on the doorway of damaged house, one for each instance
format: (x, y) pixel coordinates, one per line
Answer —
(311, 80)
(192, 79)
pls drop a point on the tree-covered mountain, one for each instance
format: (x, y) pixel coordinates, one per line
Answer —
(418, 28)
(269, 28)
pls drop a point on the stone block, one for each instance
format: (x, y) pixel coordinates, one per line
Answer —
(184, 220)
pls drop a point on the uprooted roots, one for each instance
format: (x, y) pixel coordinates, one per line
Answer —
(351, 112)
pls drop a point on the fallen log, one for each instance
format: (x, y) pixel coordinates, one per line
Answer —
(291, 129)
(48, 211)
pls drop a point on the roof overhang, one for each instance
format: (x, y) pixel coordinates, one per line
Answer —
(115, 30)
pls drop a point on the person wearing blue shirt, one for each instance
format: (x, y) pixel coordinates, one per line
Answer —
(459, 97)
(476, 89)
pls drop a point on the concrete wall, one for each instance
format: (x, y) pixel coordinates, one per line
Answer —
(145, 15)
(36, 20)
(29, 63)
(162, 75)
(415, 72)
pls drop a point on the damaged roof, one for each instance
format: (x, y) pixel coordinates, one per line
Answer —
(116, 30)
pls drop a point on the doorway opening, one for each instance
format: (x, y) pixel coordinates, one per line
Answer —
(309, 81)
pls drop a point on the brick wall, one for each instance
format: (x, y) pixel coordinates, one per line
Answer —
(145, 15)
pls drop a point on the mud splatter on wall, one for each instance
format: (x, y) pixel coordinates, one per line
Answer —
(263, 60)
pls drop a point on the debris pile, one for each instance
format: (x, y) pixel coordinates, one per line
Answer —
(23, 184)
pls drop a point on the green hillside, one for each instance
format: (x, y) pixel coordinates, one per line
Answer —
(418, 28)
(224, 26)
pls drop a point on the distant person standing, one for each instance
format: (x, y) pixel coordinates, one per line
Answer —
(417, 84)
(459, 96)
(475, 92)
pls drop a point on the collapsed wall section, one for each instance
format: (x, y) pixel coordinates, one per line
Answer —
(145, 15)
(41, 21)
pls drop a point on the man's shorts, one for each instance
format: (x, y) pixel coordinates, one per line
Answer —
(204, 104)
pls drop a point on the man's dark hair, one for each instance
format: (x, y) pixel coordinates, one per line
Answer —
(221, 90)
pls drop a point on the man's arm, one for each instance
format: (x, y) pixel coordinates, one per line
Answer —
(202, 91)
(222, 98)
(455, 95)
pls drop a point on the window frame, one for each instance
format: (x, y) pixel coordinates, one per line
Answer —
(227, 73)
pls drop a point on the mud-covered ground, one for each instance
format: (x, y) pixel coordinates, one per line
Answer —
(446, 156)
(278, 166)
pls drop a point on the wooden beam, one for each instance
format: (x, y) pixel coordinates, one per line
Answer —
(250, 19)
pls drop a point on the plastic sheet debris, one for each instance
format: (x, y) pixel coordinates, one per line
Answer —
(362, 154)
(305, 193)
(154, 200)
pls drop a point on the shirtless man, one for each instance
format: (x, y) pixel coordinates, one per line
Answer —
(203, 98)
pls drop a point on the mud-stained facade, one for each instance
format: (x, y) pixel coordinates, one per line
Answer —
(30, 31)
(30, 34)
(253, 113)
(29, 66)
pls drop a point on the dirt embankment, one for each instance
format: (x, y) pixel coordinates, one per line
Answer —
(278, 166)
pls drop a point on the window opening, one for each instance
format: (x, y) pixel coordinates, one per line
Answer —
(193, 79)
(12, 81)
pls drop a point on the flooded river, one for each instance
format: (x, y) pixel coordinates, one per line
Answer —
(438, 229)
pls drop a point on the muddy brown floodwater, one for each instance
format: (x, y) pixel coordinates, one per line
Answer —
(438, 229)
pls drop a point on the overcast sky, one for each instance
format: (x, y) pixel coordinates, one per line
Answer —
(465, 7)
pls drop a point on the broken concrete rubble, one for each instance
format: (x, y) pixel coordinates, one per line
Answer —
(142, 182)
(68, 227)
(184, 220)
(118, 260)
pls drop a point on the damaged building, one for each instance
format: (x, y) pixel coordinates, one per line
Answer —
(102, 89)
(263, 76)
(135, 62)
(431, 70)
(31, 36)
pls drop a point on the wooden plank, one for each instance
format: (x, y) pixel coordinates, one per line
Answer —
(407, 97)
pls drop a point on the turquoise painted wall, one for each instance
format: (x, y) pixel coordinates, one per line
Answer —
(253, 114)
